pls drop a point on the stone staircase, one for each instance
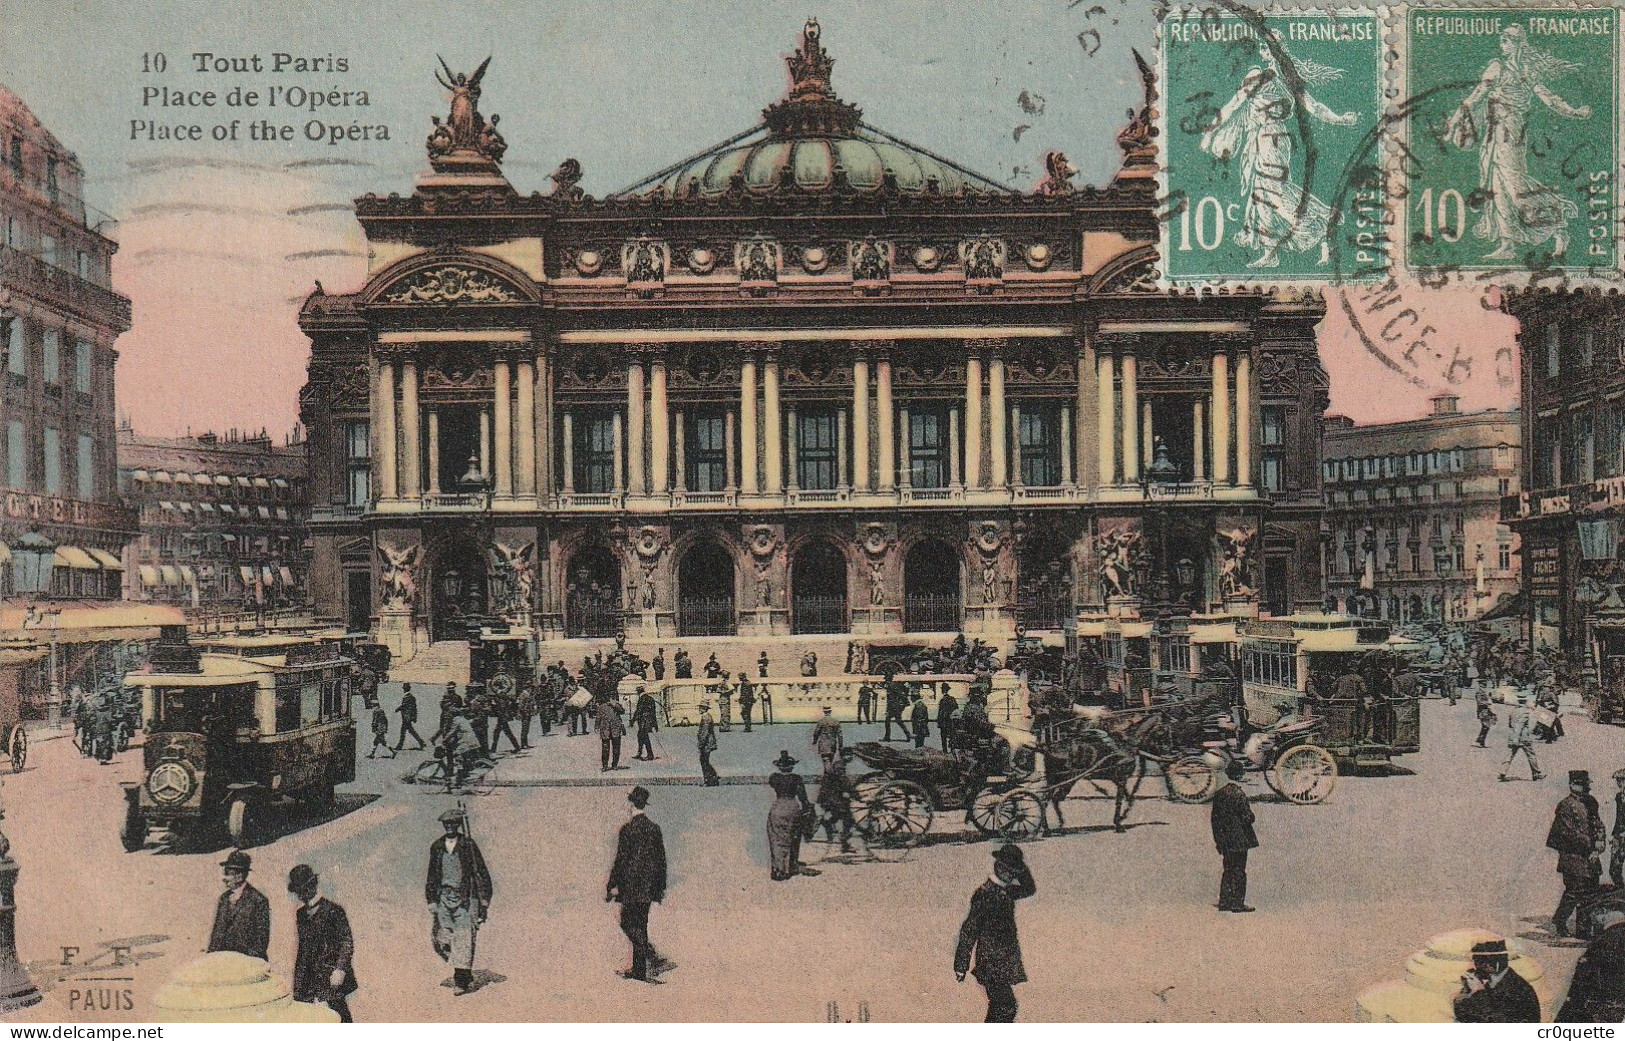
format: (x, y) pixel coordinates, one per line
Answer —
(442, 662)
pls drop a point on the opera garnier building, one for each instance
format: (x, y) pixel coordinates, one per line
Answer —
(814, 380)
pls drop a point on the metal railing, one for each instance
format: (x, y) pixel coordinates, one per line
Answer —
(1043, 611)
(32, 277)
(818, 614)
(588, 616)
(932, 614)
(706, 616)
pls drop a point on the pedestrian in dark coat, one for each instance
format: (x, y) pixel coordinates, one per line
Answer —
(658, 665)
(322, 962)
(242, 917)
(408, 713)
(380, 733)
(1492, 993)
(896, 702)
(1597, 991)
(947, 705)
(920, 720)
(638, 879)
(1232, 820)
(683, 664)
(989, 932)
(610, 732)
(1486, 716)
(866, 703)
(1578, 836)
(644, 718)
(747, 699)
(1616, 853)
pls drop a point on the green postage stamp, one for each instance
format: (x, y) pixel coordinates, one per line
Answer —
(1269, 124)
(1512, 135)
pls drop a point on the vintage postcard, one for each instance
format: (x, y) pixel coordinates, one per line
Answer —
(528, 512)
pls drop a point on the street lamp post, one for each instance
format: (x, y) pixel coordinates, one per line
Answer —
(17, 990)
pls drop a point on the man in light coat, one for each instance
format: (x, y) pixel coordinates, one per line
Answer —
(1521, 738)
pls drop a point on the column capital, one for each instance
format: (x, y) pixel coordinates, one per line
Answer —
(1116, 342)
(874, 350)
(645, 352)
(988, 346)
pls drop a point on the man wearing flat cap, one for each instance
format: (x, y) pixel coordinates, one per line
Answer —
(1492, 993)
(1578, 836)
(323, 969)
(458, 892)
(242, 918)
(636, 880)
(989, 931)
(827, 738)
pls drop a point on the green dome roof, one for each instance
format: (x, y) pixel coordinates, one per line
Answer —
(812, 142)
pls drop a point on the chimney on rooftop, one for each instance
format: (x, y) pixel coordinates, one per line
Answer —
(1445, 404)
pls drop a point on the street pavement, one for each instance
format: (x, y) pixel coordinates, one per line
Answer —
(1122, 926)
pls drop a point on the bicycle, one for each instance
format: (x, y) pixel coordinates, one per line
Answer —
(481, 779)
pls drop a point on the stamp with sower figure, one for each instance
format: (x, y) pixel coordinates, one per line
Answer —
(1512, 140)
(1264, 116)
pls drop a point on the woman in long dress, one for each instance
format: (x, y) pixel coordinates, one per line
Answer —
(1257, 126)
(1521, 211)
(784, 818)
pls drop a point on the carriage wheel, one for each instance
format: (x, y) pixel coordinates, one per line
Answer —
(17, 744)
(1020, 816)
(1305, 774)
(864, 789)
(899, 815)
(241, 823)
(1191, 779)
(983, 809)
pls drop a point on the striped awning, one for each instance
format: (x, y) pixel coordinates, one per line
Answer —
(228, 509)
(268, 575)
(248, 575)
(5, 553)
(185, 506)
(141, 475)
(280, 482)
(161, 476)
(183, 478)
(172, 577)
(265, 514)
(287, 576)
(205, 507)
(74, 557)
(187, 576)
(260, 482)
(281, 513)
(222, 480)
(106, 560)
(203, 478)
(243, 482)
(149, 575)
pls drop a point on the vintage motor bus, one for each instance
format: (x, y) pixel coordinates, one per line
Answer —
(227, 735)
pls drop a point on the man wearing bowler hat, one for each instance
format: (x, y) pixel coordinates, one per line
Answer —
(1521, 738)
(458, 892)
(990, 932)
(636, 880)
(322, 961)
(1492, 993)
(1578, 836)
(242, 918)
(1233, 835)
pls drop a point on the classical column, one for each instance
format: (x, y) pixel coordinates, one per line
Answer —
(411, 445)
(1130, 423)
(1015, 444)
(618, 443)
(793, 461)
(386, 430)
(772, 422)
(973, 420)
(842, 474)
(679, 476)
(567, 473)
(998, 423)
(659, 436)
(525, 428)
(434, 452)
(953, 448)
(885, 439)
(543, 423)
(905, 472)
(1148, 436)
(1198, 441)
(730, 475)
(860, 425)
(634, 428)
(747, 426)
(1244, 418)
(1066, 444)
(503, 421)
(1220, 399)
(1106, 411)
(1085, 422)
(485, 445)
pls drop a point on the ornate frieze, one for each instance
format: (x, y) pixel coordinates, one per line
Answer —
(450, 284)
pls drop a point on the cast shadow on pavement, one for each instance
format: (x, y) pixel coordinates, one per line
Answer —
(275, 822)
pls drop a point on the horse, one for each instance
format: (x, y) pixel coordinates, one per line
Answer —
(1088, 753)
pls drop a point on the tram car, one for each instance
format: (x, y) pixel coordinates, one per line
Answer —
(230, 734)
(1290, 668)
(1130, 680)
